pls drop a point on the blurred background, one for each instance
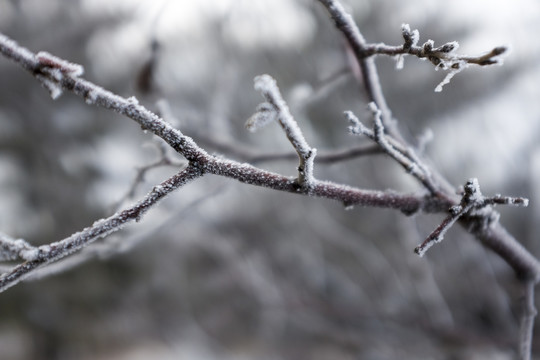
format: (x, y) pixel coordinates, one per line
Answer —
(222, 270)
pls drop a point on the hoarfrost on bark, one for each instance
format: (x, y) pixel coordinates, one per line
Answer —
(265, 114)
(91, 97)
(411, 37)
(49, 60)
(133, 100)
(54, 88)
(11, 249)
(400, 60)
(446, 80)
(30, 254)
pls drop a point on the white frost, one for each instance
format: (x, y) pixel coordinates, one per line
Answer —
(54, 89)
(400, 60)
(91, 97)
(52, 61)
(133, 100)
(29, 254)
(265, 114)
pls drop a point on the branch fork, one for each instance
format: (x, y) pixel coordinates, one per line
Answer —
(473, 203)
(275, 109)
(404, 155)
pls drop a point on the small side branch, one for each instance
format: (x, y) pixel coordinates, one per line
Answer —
(42, 255)
(442, 57)
(473, 203)
(403, 155)
(253, 155)
(163, 160)
(346, 24)
(275, 108)
(14, 249)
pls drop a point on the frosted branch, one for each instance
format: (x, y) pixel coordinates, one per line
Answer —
(403, 155)
(346, 24)
(474, 211)
(199, 162)
(275, 108)
(45, 254)
(473, 203)
(14, 249)
(442, 57)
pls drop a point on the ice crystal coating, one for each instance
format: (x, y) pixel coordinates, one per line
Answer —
(49, 60)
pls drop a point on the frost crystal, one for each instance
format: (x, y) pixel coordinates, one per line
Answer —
(91, 97)
(265, 114)
(54, 89)
(400, 60)
(133, 100)
(411, 37)
(49, 60)
(29, 254)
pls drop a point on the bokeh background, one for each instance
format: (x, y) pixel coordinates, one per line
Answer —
(222, 270)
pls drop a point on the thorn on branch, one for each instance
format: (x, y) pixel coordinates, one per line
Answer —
(472, 202)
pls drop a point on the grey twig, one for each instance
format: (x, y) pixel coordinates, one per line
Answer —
(276, 108)
(253, 155)
(163, 160)
(472, 202)
(346, 24)
(403, 155)
(45, 254)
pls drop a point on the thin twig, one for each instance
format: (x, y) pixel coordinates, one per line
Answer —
(42, 255)
(163, 160)
(443, 56)
(253, 155)
(473, 203)
(276, 108)
(13, 249)
(404, 156)
(346, 24)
